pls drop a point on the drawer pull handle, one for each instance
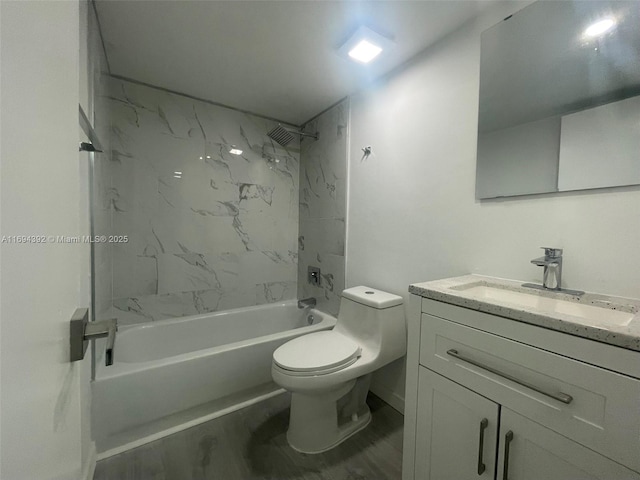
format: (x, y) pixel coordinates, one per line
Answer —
(561, 397)
(507, 445)
(483, 425)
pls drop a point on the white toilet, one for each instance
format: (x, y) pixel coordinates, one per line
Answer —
(328, 372)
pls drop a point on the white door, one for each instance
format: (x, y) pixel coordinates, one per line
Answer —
(456, 431)
(41, 284)
(529, 451)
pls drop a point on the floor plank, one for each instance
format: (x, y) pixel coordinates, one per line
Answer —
(251, 444)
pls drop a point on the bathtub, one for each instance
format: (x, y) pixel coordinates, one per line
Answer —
(171, 374)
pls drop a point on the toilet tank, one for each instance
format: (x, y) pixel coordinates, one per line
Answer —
(375, 319)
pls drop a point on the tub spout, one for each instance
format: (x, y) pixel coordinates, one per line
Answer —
(307, 302)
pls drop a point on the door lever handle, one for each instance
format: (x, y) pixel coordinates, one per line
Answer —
(82, 330)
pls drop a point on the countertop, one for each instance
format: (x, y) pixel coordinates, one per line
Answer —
(625, 336)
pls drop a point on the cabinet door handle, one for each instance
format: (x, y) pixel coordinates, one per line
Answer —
(507, 445)
(481, 466)
(561, 397)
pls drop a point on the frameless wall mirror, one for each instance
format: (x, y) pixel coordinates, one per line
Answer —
(560, 99)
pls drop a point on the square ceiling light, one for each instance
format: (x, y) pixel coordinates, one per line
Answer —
(364, 45)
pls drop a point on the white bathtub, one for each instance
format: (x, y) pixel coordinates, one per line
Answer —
(171, 374)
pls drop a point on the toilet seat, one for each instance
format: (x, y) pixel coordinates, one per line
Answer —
(316, 354)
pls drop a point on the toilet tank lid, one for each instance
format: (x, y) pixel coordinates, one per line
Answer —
(371, 297)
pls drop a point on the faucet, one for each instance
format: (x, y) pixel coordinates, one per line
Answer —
(307, 302)
(552, 263)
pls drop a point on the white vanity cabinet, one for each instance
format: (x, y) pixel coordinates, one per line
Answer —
(489, 397)
(457, 431)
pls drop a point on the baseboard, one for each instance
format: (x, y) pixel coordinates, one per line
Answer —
(389, 396)
(89, 467)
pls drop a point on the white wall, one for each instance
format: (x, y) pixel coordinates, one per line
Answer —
(43, 188)
(412, 213)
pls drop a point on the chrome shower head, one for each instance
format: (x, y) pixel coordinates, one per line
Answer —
(281, 135)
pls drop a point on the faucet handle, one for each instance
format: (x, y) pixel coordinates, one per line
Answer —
(552, 252)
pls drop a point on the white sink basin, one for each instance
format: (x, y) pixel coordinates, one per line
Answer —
(535, 301)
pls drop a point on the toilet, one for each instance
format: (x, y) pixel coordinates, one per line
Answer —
(328, 373)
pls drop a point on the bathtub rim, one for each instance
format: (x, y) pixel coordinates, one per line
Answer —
(124, 368)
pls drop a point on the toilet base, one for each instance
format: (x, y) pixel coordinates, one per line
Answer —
(317, 422)
(322, 444)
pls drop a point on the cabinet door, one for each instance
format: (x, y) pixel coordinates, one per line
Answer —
(456, 433)
(529, 451)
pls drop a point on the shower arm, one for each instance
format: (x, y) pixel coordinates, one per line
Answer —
(301, 133)
(304, 134)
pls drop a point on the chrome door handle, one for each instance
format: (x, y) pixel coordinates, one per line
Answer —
(484, 423)
(507, 446)
(82, 331)
(561, 397)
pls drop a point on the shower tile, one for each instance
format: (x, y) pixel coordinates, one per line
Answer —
(242, 296)
(138, 274)
(324, 166)
(198, 231)
(185, 272)
(226, 225)
(322, 207)
(158, 307)
(324, 235)
(332, 282)
(268, 266)
(275, 291)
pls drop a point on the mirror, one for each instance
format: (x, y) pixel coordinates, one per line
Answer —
(560, 99)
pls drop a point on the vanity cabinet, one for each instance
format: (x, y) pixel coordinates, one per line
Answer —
(488, 397)
(457, 431)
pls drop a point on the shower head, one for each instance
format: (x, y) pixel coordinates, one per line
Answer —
(280, 135)
(283, 136)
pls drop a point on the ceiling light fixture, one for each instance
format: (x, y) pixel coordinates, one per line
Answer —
(364, 45)
(365, 51)
(600, 27)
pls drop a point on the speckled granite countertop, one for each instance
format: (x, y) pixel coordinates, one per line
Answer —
(624, 332)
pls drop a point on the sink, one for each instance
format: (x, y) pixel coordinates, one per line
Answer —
(600, 317)
(549, 302)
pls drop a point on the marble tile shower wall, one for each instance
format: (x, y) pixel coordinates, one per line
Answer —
(207, 230)
(323, 180)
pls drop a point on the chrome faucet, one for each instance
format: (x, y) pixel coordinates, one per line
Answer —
(307, 302)
(552, 264)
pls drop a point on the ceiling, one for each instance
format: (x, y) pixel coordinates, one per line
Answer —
(274, 58)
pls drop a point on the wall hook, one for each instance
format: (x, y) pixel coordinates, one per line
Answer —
(367, 151)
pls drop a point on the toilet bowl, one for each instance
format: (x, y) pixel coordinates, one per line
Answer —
(328, 373)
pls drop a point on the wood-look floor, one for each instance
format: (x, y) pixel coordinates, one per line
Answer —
(250, 444)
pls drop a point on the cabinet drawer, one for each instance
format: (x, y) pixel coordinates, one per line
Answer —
(595, 407)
